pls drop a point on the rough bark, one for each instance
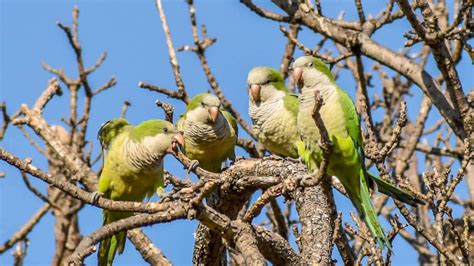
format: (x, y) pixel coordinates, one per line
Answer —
(317, 214)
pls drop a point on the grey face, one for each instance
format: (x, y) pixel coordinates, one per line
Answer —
(260, 85)
(207, 111)
(210, 100)
(309, 72)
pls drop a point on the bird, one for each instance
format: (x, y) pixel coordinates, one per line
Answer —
(346, 160)
(273, 110)
(210, 133)
(132, 169)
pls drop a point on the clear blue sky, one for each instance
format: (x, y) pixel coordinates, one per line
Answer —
(131, 33)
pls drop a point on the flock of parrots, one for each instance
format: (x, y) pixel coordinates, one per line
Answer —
(206, 133)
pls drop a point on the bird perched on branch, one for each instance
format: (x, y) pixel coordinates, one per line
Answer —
(132, 170)
(346, 160)
(273, 110)
(210, 133)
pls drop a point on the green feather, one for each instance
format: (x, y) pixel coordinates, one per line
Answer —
(347, 157)
(390, 190)
(195, 102)
(266, 75)
(131, 171)
(200, 134)
(110, 129)
(291, 103)
(319, 65)
(149, 128)
(231, 120)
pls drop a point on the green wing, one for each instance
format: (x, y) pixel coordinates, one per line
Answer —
(180, 124)
(231, 121)
(351, 117)
(291, 104)
(353, 127)
(109, 131)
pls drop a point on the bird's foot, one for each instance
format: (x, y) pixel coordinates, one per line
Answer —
(192, 166)
(96, 196)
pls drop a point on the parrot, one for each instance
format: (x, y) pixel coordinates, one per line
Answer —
(210, 133)
(273, 110)
(346, 160)
(132, 169)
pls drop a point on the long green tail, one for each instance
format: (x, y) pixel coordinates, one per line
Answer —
(366, 210)
(109, 246)
(396, 193)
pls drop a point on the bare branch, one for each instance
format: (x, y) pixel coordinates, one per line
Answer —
(6, 119)
(25, 229)
(124, 110)
(266, 197)
(167, 108)
(167, 92)
(150, 253)
(264, 13)
(172, 54)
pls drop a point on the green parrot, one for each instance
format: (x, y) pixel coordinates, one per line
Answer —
(347, 155)
(210, 133)
(132, 170)
(273, 110)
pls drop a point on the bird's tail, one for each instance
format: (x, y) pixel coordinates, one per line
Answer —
(396, 193)
(367, 212)
(109, 246)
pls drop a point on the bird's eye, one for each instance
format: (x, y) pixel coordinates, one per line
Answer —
(310, 64)
(165, 130)
(203, 104)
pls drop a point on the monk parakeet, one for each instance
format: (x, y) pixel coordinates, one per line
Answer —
(132, 170)
(347, 155)
(210, 133)
(273, 110)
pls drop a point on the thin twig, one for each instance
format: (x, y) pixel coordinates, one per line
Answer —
(172, 54)
(167, 108)
(25, 229)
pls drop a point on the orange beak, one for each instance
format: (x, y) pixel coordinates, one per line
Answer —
(255, 91)
(297, 74)
(176, 141)
(213, 113)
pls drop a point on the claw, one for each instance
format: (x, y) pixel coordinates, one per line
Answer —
(192, 166)
(96, 196)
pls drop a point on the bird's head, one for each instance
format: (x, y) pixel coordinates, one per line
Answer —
(308, 71)
(110, 129)
(204, 108)
(265, 84)
(159, 136)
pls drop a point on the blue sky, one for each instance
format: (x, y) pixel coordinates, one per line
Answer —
(131, 33)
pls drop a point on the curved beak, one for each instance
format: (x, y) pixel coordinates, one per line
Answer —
(176, 141)
(213, 113)
(297, 74)
(255, 91)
